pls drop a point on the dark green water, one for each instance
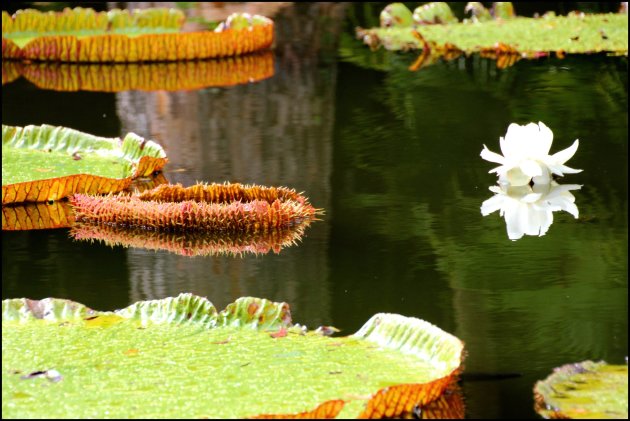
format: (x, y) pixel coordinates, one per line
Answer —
(393, 158)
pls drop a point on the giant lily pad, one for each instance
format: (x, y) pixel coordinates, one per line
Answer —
(83, 35)
(584, 390)
(42, 163)
(179, 357)
(173, 76)
(578, 33)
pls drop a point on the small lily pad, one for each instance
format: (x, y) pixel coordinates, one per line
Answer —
(584, 390)
(43, 163)
(180, 357)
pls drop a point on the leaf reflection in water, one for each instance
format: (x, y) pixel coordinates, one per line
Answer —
(528, 209)
(191, 243)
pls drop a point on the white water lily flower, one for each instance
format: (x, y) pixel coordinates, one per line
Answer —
(526, 156)
(529, 209)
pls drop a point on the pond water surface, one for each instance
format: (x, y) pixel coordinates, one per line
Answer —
(392, 157)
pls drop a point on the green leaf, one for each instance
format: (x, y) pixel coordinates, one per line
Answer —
(179, 357)
(584, 390)
(25, 25)
(148, 35)
(41, 163)
(571, 34)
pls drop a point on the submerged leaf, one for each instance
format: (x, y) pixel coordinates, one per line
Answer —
(127, 363)
(584, 390)
(38, 163)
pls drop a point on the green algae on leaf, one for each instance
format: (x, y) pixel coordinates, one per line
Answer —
(180, 357)
(42, 163)
(588, 33)
(584, 390)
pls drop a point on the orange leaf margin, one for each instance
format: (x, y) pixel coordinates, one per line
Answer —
(56, 188)
(120, 48)
(59, 214)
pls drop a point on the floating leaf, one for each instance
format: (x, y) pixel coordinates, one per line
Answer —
(584, 390)
(436, 12)
(38, 163)
(83, 35)
(224, 364)
(396, 15)
(146, 76)
(528, 36)
(215, 207)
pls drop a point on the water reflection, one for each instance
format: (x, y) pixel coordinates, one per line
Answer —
(274, 132)
(174, 76)
(37, 216)
(528, 209)
(191, 243)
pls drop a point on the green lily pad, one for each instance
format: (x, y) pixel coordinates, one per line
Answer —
(570, 34)
(41, 163)
(120, 36)
(29, 24)
(179, 357)
(584, 390)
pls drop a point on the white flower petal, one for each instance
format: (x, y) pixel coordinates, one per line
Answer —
(572, 209)
(515, 177)
(531, 168)
(542, 179)
(543, 140)
(488, 155)
(493, 204)
(514, 136)
(562, 169)
(566, 154)
(513, 220)
(531, 198)
(545, 222)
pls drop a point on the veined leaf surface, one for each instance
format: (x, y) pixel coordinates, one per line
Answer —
(588, 389)
(42, 163)
(120, 36)
(588, 33)
(179, 357)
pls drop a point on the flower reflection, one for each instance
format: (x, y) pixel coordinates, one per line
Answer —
(526, 156)
(528, 209)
